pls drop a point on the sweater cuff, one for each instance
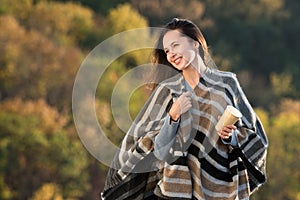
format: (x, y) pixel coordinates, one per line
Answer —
(231, 140)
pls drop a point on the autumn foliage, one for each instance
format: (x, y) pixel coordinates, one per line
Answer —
(44, 42)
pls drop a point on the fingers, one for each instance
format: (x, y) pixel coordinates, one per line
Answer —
(185, 95)
(226, 131)
(181, 105)
(185, 102)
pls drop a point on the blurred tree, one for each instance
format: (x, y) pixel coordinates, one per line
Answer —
(123, 18)
(101, 7)
(282, 84)
(158, 12)
(20, 9)
(291, 30)
(262, 95)
(48, 191)
(33, 67)
(283, 157)
(126, 19)
(64, 23)
(67, 23)
(103, 105)
(36, 149)
(108, 80)
(250, 33)
(52, 120)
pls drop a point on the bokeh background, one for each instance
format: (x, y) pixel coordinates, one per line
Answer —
(44, 42)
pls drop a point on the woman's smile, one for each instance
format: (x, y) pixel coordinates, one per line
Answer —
(177, 60)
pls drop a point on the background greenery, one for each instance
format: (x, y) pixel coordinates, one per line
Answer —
(42, 44)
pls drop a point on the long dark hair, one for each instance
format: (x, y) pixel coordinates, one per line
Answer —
(162, 69)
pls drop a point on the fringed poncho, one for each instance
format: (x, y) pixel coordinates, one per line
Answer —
(200, 165)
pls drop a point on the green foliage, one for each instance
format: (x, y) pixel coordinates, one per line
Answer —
(17, 8)
(123, 18)
(48, 191)
(159, 12)
(35, 150)
(109, 79)
(101, 7)
(42, 43)
(283, 157)
(65, 23)
(32, 66)
(107, 84)
(282, 84)
(249, 29)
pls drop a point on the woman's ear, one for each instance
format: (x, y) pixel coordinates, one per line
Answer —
(196, 43)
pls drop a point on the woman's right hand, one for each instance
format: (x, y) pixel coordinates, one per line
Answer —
(180, 106)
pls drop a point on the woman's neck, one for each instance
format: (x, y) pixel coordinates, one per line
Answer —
(192, 73)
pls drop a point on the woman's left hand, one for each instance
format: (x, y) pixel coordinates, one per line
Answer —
(226, 131)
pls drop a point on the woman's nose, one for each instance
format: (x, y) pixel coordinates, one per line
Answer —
(171, 54)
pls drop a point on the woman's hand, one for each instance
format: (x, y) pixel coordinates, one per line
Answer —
(180, 106)
(226, 131)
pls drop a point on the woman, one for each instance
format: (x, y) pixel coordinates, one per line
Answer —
(172, 150)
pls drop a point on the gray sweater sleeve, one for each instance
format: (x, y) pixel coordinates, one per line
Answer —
(232, 140)
(165, 138)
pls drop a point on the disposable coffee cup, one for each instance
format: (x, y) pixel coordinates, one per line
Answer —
(230, 116)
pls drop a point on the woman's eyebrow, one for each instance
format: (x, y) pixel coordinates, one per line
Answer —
(172, 43)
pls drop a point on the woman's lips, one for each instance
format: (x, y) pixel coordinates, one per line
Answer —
(177, 60)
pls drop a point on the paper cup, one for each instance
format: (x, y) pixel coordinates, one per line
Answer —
(230, 116)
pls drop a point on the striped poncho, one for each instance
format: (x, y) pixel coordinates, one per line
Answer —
(200, 165)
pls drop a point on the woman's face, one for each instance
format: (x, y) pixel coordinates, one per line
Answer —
(181, 51)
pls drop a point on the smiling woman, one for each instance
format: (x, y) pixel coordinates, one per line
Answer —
(180, 50)
(172, 150)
